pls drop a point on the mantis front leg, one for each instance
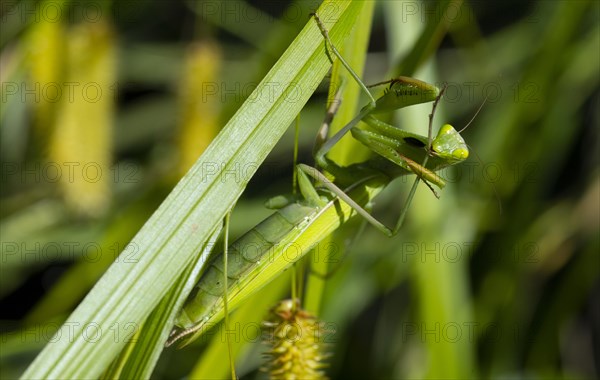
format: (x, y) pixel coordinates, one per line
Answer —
(402, 92)
(304, 170)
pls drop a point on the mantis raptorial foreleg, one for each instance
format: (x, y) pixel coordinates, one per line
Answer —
(421, 171)
(403, 91)
(389, 141)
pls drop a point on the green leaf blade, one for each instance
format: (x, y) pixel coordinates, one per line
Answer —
(98, 328)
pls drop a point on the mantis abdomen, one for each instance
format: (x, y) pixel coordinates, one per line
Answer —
(244, 257)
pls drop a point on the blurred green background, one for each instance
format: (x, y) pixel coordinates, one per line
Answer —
(105, 105)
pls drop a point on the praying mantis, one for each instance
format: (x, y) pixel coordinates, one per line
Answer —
(293, 230)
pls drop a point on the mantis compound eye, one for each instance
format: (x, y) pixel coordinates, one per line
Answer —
(461, 153)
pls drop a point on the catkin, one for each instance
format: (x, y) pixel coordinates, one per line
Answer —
(296, 340)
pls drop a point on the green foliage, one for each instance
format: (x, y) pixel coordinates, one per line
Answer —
(466, 291)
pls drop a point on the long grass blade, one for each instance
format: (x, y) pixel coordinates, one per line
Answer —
(95, 332)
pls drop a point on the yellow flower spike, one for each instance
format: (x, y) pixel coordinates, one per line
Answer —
(45, 49)
(81, 143)
(295, 337)
(200, 102)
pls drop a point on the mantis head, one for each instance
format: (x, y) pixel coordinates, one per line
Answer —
(449, 145)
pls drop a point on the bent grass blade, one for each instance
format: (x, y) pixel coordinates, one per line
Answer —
(182, 224)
